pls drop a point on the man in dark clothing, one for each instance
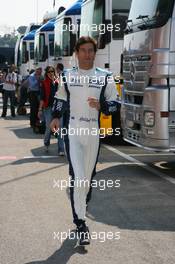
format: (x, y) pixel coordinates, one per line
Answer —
(34, 90)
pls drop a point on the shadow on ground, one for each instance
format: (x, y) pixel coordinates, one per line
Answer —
(64, 253)
(25, 132)
(138, 204)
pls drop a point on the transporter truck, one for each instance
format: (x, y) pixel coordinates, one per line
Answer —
(24, 50)
(148, 102)
(105, 20)
(66, 34)
(44, 45)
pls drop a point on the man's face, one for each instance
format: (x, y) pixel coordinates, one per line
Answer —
(86, 56)
(58, 70)
(38, 71)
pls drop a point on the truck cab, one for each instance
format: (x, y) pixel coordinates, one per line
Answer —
(105, 21)
(148, 107)
(44, 45)
(66, 33)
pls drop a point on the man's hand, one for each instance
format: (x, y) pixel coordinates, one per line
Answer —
(40, 113)
(55, 125)
(94, 103)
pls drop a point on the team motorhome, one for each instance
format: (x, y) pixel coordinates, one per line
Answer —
(105, 20)
(44, 45)
(44, 40)
(17, 51)
(24, 50)
(66, 33)
(148, 109)
(27, 53)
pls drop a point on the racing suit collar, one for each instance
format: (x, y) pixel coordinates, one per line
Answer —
(82, 71)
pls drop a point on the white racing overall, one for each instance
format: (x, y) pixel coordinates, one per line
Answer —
(82, 122)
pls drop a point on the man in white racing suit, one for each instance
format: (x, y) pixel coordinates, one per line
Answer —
(84, 93)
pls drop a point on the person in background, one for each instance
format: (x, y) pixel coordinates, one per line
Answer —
(1, 81)
(59, 69)
(33, 83)
(23, 94)
(18, 85)
(48, 89)
(9, 91)
(61, 151)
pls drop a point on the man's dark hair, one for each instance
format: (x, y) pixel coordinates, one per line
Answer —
(85, 40)
(60, 66)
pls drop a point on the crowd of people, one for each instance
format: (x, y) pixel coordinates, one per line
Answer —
(39, 90)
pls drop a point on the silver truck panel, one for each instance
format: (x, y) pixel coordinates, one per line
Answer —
(149, 85)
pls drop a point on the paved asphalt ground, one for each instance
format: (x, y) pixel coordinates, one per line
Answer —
(133, 223)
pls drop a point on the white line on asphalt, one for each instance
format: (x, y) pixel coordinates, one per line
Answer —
(141, 164)
(152, 154)
(27, 157)
(160, 165)
(8, 157)
(40, 157)
(122, 163)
